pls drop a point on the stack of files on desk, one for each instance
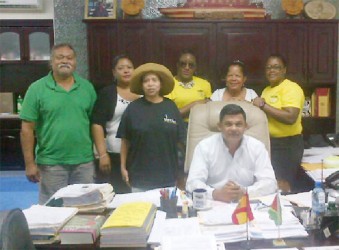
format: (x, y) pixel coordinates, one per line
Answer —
(152, 196)
(218, 221)
(82, 229)
(85, 197)
(128, 226)
(44, 222)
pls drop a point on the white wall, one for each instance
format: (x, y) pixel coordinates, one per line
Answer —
(47, 12)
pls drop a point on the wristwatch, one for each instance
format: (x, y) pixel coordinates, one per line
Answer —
(262, 104)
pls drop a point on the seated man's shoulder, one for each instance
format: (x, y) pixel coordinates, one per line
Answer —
(254, 142)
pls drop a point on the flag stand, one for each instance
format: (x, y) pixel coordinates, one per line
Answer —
(275, 214)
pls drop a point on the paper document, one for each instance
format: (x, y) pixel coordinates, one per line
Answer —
(316, 155)
(301, 199)
(149, 196)
(172, 227)
(316, 174)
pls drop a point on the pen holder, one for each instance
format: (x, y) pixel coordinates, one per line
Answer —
(169, 206)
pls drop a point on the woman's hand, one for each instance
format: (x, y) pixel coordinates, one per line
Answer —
(105, 163)
(124, 174)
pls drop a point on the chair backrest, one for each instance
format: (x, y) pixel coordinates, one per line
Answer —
(14, 232)
(205, 117)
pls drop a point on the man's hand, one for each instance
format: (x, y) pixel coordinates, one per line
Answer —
(105, 164)
(33, 173)
(228, 193)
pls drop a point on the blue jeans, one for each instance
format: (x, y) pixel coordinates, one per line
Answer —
(54, 177)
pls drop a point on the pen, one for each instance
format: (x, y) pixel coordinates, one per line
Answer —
(174, 192)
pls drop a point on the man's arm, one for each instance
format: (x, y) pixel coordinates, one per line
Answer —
(198, 172)
(264, 177)
(27, 145)
(99, 141)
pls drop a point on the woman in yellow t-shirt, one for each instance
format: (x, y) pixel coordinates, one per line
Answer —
(189, 90)
(282, 102)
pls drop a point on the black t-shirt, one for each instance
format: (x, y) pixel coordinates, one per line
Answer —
(153, 131)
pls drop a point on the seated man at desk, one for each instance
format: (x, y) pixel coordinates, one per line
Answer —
(228, 162)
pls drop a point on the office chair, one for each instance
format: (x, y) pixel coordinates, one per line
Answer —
(204, 118)
(14, 232)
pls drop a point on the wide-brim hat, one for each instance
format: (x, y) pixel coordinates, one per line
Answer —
(165, 75)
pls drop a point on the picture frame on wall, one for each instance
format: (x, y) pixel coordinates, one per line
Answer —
(100, 9)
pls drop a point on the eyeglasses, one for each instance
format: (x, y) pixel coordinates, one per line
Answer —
(274, 67)
(189, 64)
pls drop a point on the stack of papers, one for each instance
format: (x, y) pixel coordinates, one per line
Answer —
(218, 221)
(128, 226)
(320, 175)
(152, 196)
(85, 197)
(44, 222)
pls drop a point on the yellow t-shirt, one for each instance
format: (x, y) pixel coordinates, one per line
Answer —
(184, 96)
(286, 94)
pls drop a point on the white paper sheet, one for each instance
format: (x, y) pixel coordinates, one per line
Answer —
(150, 196)
(316, 174)
(172, 227)
(301, 199)
(316, 155)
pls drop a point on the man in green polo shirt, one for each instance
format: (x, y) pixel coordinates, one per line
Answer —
(56, 115)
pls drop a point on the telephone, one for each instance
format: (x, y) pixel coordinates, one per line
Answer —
(332, 180)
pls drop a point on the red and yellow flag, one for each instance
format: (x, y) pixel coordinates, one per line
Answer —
(243, 212)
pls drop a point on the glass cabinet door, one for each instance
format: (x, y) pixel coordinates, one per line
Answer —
(39, 46)
(10, 46)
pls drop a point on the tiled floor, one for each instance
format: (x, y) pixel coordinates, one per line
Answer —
(16, 191)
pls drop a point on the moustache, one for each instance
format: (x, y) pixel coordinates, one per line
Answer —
(64, 65)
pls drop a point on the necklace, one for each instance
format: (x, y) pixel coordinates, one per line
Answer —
(188, 85)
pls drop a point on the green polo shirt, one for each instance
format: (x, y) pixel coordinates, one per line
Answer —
(62, 120)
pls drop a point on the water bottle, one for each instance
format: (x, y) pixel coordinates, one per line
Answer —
(318, 204)
(19, 104)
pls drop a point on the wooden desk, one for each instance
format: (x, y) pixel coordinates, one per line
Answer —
(314, 239)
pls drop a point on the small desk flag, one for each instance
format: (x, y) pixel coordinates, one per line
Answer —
(275, 211)
(243, 212)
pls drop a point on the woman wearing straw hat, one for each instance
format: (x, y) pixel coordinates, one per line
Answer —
(151, 129)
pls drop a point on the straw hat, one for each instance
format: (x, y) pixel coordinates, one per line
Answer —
(165, 75)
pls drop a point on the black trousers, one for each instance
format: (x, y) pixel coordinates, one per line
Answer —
(286, 155)
(114, 177)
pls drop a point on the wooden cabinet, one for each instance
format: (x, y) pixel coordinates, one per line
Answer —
(250, 43)
(310, 47)
(24, 52)
(323, 56)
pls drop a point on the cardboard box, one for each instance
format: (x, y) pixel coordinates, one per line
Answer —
(6, 102)
(321, 104)
(323, 98)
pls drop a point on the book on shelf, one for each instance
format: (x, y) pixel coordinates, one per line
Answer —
(321, 103)
(82, 229)
(129, 225)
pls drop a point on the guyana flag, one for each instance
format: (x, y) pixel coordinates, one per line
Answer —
(275, 211)
(243, 212)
